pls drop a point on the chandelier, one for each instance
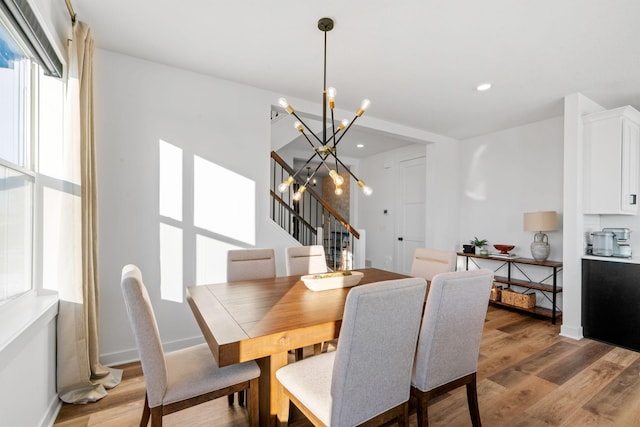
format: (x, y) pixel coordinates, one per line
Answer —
(326, 148)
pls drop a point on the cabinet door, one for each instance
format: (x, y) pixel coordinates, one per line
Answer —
(630, 161)
(602, 171)
(610, 300)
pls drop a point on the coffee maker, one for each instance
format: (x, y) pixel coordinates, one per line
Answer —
(621, 243)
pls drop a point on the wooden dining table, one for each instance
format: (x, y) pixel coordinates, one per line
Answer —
(265, 318)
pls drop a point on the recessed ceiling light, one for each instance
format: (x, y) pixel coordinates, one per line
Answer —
(484, 86)
(360, 145)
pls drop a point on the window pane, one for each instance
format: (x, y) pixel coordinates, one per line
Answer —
(14, 100)
(16, 230)
(58, 157)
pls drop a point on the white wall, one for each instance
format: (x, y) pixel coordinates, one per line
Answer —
(138, 103)
(505, 174)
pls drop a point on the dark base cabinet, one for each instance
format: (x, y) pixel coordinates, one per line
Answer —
(611, 302)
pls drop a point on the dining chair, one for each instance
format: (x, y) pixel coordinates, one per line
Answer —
(249, 264)
(183, 378)
(449, 342)
(367, 379)
(428, 262)
(301, 260)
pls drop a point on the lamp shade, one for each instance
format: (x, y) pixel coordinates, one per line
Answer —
(540, 221)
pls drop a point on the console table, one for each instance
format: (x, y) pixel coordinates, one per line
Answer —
(549, 291)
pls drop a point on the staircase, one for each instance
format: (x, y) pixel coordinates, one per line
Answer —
(311, 220)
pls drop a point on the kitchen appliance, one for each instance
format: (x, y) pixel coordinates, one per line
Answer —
(621, 243)
(602, 243)
(613, 242)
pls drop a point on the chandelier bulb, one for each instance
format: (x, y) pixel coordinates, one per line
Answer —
(363, 107)
(343, 124)
(298, 194)
(338, 190)
(331, 95)
(285, 184)
(298, 126)
(337, 179)
(365, 188)
(284, 104)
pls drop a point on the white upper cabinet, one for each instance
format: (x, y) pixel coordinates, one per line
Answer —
(612, 161)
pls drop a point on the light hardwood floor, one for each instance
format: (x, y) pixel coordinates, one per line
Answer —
(527, 376)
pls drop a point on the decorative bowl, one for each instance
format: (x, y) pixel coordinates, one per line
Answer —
(504, 249)
(335, 280)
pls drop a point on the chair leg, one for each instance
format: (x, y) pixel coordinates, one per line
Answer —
(146, 412)
(472, 399)
(241, 398)
(230, 399)
(156, 416)
(422, 403)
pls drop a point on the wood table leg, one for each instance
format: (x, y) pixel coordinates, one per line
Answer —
(279, 401)
(274, 405)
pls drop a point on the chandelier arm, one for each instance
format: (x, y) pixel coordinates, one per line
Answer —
(346, 129)
(315, 153)
(333, 137)
(307, 127)
(310, 143)
(313, 174)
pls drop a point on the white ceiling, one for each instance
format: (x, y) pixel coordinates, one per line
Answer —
(419, 61)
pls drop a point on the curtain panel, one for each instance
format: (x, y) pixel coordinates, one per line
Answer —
(80, 375)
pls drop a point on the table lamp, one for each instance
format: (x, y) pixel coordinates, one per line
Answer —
(539, 222)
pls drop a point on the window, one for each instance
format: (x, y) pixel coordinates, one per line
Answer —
(16, 170)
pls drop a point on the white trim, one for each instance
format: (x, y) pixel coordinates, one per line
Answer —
(571, 332)
(32, 309)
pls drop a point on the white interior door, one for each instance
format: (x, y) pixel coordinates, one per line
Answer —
(411, 218)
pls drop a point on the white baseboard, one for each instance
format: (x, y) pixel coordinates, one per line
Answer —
(52, 412)
(571, 332)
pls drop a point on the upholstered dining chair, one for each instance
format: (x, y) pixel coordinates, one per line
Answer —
(428, 262)
(449, 342)
(182, 378)
(249, 264)
(366, 380)
(301, 260)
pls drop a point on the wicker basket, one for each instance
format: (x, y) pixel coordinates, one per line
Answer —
(519, 300)
(495, 293)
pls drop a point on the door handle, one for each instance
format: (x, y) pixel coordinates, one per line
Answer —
(400, 239)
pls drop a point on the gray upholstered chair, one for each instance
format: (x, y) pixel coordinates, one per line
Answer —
(249, 264)
(367, 379)
(181, 378)
(301, 260)
(428, 262)
(449, 343)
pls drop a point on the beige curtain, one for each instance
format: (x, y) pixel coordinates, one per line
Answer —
(81, 377)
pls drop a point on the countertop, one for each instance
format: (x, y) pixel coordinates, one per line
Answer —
(633, 260)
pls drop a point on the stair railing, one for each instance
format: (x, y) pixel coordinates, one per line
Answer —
(311, 220)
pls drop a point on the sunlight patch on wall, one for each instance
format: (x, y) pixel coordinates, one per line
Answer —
(171, 277)
(211, 260)
(170, 180)
(476, 187)
(223, 201)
